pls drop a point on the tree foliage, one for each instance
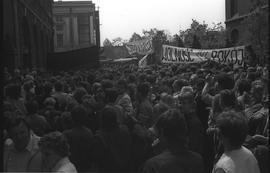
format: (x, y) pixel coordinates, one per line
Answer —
(135, 37)
(209, 37)
(177, 41)
(107, 43)
(118, 41)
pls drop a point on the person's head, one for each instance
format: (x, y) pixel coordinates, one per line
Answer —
(171, 127)
(257, 91)
(31, 107)
(49, 102)
(108, 118)
(58, 86)
(167, 99)
(53, 146)
(13, 91)
(244, 85)
(178, 84)
(19, 132)
(121, 86)
(232, 127)
(224, 81)
(143, 90)
(186, 100)
(79, 93)
(79, 115)
(227, 99)
(111, 95)
(48, 88)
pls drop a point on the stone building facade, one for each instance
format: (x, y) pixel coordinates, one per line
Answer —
(27, 33)
(236, 12)
(76, 25)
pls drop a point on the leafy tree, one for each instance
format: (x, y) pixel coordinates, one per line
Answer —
(196, 43)
(107, 43)
(135, 37)
(177, 41)
(118, 41)
(209, 37)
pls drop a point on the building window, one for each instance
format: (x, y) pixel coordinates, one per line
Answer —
(60, 40)
(84, 29)
(234, 7)
(59, 18)
(59, 27)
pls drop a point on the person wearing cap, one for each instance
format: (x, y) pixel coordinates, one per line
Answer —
(172, 131)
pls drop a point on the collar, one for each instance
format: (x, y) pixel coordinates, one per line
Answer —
(60, 164)
(33, 142)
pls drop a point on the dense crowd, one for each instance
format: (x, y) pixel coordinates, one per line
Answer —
(188, 118)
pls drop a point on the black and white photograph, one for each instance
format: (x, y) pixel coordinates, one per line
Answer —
(135, 86)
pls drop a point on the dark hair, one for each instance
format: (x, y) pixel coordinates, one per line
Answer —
(108, 118)
(122, 82)
(111, 95)
(227, 98)
(79, 115)
(58, 86)
(13, 91)
(106, 83)
(31, 107)
(55, 141)
(47, 88)
(173, 124)
(233, 125)
(143, 89)
(79, 93)
(14, 122)
(225, 81)
(244, 85)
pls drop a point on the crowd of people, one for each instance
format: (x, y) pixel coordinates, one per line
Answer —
(184, 118)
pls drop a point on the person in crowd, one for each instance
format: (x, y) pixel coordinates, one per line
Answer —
(37, 123)
(60, 97)
(80, 139)
(14, 99)
(22, 153)
(29, 90)
(172, 131)
(162, 105)
(243, 88)
(55, 151)
(111, 96)
(124, 99)
(232, 128)
(112, 144)
(144, 108)
(195, 128)
(49, 112)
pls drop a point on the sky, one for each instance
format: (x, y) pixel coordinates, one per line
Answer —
(121, 18)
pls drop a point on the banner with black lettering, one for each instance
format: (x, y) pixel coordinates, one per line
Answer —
(234, 55)
(141, 47)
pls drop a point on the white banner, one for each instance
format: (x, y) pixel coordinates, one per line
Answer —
(171, 54)
(141, 47)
